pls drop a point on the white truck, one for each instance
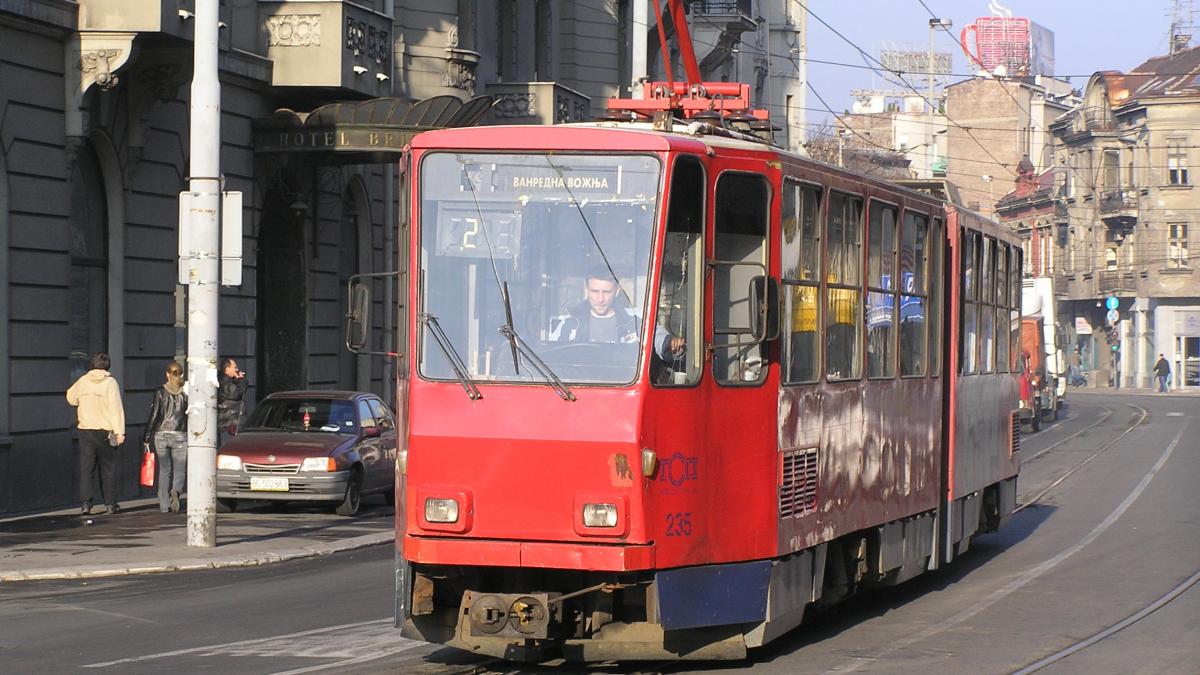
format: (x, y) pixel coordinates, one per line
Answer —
(1037, 302)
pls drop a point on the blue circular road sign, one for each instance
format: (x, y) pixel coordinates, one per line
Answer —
(1112, 302)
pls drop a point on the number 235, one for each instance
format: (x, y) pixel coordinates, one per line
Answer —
(679, 524)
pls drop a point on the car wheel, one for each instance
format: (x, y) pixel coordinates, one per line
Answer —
(226, 505)
(353, 498)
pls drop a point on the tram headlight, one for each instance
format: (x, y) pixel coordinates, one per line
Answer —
(441, 510)
(600, 515)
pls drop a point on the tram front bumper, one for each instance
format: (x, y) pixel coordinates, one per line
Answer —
(548, 555)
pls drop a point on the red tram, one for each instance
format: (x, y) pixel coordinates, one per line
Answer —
(808, 388)
(667, 386)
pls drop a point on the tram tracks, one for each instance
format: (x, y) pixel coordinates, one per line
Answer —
(1148, 609)
(1019, 581)
(1113, 629)
(1029, 501)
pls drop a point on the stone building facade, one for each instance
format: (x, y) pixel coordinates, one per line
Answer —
(93, 154)
(1132, 210)
(992, 124)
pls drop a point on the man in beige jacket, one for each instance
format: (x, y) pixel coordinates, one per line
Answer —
(101, 431)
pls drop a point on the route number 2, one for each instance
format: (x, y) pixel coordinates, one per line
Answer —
(679, 524)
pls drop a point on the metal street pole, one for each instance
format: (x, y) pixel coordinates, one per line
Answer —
(931, 150)
(202, 237)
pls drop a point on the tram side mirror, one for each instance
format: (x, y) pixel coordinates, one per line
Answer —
(764, 307)
(358, 322)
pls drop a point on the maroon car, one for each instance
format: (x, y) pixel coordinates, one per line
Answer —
(331, 446)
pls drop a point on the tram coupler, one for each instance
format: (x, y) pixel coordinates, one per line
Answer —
(519, 615)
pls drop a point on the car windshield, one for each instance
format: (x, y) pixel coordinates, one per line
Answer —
(300, 414)
(566, 237)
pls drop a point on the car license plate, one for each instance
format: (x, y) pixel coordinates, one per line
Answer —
(270, 483)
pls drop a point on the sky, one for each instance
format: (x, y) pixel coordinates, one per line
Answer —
(1088, 36)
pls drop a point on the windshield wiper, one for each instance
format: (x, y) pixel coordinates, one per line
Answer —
(456, 362)
(553, 380)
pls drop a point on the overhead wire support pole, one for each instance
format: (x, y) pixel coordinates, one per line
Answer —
(201, 231)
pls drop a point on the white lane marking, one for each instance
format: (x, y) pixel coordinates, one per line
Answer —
(1174, 414)
(376, 638)
(58, 606)
(1030, 575)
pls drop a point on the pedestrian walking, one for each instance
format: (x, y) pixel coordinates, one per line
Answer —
(97, 399)
(166, 427)
(1162, 372)
(231, 390)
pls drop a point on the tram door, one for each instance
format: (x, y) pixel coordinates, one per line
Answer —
(741, 392)
(800, 362)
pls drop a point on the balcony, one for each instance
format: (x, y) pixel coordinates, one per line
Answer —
(734, 16)
(170, 17)
(327, 43)
(537, 103)
(1115, 282)
(1096, 119)
(1119, 208)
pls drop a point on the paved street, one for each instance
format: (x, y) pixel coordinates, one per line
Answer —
(1117, 530)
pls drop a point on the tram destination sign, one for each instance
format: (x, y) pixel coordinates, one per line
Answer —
(523, 179)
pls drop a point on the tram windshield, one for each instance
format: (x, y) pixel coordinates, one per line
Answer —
(535, 257)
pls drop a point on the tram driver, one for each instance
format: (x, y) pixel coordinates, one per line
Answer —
(605, 316)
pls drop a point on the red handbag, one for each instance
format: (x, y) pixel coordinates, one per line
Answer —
(148, 468)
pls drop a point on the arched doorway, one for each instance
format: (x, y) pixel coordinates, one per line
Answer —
(282, 294)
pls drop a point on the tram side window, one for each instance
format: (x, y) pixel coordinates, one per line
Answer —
(740, 255)
(914, 285)
(680, 279)
(1014, 300)
(881, 294)
(970, 294)
(987, 312)
(937, 247)
(843, 288)
(801, 253)
(1001, 294)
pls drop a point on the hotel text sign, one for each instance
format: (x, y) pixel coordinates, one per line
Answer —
(324, 139)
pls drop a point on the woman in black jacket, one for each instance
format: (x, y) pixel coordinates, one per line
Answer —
(168, 426)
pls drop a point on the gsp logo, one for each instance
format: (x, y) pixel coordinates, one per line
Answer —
(678, 469)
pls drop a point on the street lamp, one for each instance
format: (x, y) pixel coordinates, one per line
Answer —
(931, 149)
(842, 136)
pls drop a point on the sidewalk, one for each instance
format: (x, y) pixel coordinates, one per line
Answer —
(140, 539)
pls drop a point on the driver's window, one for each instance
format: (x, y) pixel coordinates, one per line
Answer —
(739, 256)
(676, 353)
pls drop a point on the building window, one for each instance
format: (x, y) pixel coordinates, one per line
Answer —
(1066, 182)
(1177, 164)
(1112, 169)
(89, 263)
(1110, 259)
(1177, 246)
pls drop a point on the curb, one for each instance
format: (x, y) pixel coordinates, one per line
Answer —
(192, 564)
